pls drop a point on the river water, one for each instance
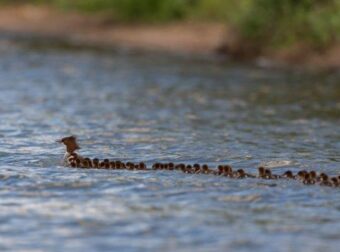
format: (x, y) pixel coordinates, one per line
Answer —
(152, 108)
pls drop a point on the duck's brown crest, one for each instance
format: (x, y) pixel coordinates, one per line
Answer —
(70, 142)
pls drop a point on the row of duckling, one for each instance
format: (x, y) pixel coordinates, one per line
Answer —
(307, 178)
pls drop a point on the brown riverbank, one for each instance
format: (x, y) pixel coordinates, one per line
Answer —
(179, 38)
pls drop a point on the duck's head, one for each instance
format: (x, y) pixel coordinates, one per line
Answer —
(70, 142)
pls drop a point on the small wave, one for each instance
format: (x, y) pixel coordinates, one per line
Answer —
(240, 198)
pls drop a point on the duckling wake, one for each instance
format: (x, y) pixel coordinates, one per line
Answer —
(73, 159)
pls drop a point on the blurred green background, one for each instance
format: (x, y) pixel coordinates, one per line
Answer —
(278, 23)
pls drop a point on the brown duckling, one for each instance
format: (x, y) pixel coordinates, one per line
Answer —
(95, 163)
(73, 164)
(118, 164)
(205, 169)
(262, 172)
(78, 163)
(268, 174)
(301, 175)
(142, 166)
(197, 168)
(288, 174)
(240, 173)
(89, 162)
(313, 175)
(102, 165)
(155, 166)
(220, 170)
(324, 180)
(86, 163)
(112, 165)
(179, 166)
(307, 180)
(188, 169)
(171, 166)
(106, 163)
(228, 171)
(334, 181)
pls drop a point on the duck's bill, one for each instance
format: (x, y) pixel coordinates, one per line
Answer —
(59, 140)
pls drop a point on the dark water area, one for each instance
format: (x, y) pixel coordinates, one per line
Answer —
(137, 107)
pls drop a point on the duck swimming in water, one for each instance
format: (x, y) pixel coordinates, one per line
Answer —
(71, 146)
(73, 159)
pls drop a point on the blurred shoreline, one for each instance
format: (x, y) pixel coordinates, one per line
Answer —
(183, 38)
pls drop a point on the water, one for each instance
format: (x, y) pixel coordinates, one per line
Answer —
(152, 108)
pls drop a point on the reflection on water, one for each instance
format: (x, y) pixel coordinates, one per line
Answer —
(151, 108)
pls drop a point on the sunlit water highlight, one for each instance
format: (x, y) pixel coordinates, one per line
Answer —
(152, 108)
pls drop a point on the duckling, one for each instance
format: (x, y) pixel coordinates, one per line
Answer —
(71, 157)
(112, 165)
(188, 169)
(205, 169)
(73, 164)
(228, 171)
(179, 166)
(220, 170)
(106, 163)
(95, 163)
(155, 166)
(197, 168)
(86, 164)
(118, 164)
(334, 181)
(78, 163)
(301, 175)
(89, 162)
(288, 174)
(130, 166)
(313, 175)
(102, 164)
(171, 166)
(142, 166)
(268, 174)
(324, 180)
(262, 172)
(307, 180)
(240, 173)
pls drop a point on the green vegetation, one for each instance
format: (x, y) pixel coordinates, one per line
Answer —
(274, 23)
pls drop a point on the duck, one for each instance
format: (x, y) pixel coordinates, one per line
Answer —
(71, 147)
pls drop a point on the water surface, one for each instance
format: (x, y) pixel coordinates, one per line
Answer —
(137, 107)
